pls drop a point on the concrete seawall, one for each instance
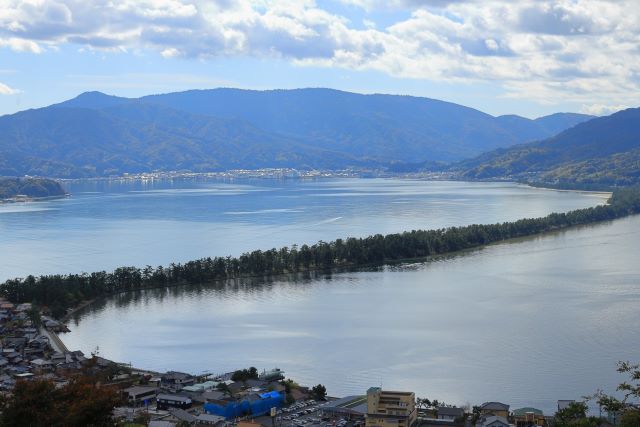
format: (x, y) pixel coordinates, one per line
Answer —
(55, 341)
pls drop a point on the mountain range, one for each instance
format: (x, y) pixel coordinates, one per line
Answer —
(599, 153)
(209, 130)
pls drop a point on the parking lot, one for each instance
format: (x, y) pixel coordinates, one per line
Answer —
(309, 414)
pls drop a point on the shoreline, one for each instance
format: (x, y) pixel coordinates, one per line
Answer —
(13, 200)
(294, 174)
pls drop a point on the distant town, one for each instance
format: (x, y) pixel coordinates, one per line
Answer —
(274, 173)
(32, 352)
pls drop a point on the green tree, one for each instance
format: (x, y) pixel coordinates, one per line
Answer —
(319, 392)
(79, 403)
(629, 388)
(630, 418)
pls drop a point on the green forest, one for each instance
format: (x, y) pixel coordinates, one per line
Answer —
(31, 187)
(601, 153)
(60, 292)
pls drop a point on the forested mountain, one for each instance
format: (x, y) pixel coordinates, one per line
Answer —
(382, 127)
(139, 137)
(97, 134)
(30, 187)
(601, 152)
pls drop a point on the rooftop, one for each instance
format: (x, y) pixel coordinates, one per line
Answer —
(524, 411)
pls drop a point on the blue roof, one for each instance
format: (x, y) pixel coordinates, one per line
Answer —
(270, 394)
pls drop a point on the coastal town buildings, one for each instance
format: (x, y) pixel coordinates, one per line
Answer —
(390, 408)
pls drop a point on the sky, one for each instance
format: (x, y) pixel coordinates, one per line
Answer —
(526, 57)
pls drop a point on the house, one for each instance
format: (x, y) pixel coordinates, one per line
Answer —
(41, 365)
(492, 421)
(494, 408)
(390, 408)
(166, 401)
(528, 417)
(235, 387)
(200, 387)
(274, 374)
(450, 413)
(175, 381)
(140, 395)
(212, 395)
(210, 420)
(183, 416)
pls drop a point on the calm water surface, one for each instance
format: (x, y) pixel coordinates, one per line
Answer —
(110, 224)
(525, 322)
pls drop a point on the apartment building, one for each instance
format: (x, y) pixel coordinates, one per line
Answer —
(390, 408)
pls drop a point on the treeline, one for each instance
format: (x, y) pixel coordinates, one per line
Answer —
(60, 292)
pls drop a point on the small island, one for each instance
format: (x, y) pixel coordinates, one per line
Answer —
(24, 189)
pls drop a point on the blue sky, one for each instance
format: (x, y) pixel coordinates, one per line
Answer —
(527, 57)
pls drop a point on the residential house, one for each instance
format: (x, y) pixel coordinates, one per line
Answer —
(166, 401)
(492, 421)
(450, 413)
(183, 416)
(210, 420)
(494, 408)
(528, 417)
(140, 395)
(175, 381)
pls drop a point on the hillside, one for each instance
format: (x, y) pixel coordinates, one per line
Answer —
(30, 187)
(97, 134)
(382, 127)
(137, 137)
(599, 153)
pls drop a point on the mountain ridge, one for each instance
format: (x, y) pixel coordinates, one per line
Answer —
(601, 152)
(95, 134)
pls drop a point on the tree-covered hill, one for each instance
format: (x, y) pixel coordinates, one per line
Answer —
(602, 152)
(139, 137)
(211, 130)
(382, 127)
(30, 187)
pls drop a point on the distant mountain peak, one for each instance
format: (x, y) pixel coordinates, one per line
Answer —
(94, 100)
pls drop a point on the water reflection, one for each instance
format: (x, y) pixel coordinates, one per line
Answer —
(527, 322)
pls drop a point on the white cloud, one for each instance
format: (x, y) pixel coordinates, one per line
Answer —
(601, 109)
(550, 51)
(20, 45)
(6, 90)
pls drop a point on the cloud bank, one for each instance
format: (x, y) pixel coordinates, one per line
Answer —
(582, 51)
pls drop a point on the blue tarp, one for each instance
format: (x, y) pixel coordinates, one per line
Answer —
(256, 408)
